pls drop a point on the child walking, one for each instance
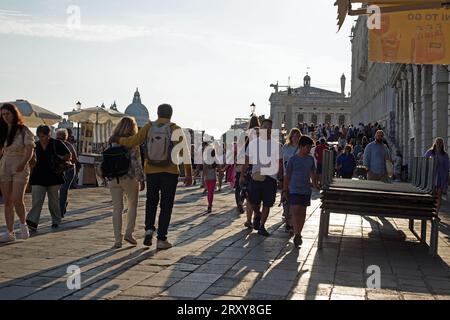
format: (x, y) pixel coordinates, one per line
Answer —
(300, 174)
(210, 181)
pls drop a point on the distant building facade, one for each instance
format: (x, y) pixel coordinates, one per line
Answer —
(308, 104)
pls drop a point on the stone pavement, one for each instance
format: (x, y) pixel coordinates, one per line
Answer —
(214, 257)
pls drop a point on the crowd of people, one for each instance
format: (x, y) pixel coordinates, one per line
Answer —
(49, 165)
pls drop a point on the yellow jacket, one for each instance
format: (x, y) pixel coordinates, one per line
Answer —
(141, 137)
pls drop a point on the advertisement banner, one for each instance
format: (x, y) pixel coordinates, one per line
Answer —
(415, 37)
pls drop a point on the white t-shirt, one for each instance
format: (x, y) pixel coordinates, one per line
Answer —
(262, 159)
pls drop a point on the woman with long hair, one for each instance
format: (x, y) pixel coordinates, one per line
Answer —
(290, 149)
(16, 149)
(130, 185)
(253, 129)
(438, 152)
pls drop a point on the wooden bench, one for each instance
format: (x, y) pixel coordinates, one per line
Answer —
(412, 201)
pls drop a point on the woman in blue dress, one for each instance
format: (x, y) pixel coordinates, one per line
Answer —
(438, 152)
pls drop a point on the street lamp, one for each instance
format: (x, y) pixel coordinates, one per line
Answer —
(252, 109)
(78, 129)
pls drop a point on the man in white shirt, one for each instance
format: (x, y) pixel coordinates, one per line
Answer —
(265, 156)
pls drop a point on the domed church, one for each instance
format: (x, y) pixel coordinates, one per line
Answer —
(138, 111)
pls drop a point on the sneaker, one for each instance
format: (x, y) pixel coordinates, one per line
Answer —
(24, 230)
(130, 240)
(117, 245)
(31, 226)
(163, 245)
(55, 226)
(148, 238)
(7, 237)
(263, 232)
(248, 225)
(298, 241)
(209, 209)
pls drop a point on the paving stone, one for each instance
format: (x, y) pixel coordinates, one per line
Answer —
(187, 289)
(215, 258)
(15, 292)
(142, 291)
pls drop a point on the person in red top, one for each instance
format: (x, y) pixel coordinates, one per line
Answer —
(318, 154)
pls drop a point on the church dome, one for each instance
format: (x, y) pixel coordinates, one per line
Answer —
(138, 111)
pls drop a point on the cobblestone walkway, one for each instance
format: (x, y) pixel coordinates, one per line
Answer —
(215, 257)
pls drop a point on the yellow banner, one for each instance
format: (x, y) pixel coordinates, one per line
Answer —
(416, 37)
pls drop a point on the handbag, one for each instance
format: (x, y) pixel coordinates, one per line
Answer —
(59, 165)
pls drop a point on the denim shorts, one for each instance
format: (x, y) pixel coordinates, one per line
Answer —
(303, 200)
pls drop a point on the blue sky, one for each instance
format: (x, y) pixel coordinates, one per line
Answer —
(209, 58)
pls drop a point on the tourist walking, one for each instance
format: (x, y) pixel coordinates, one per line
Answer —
(346, 163)
(300, 174)
(129, 185)
(264, 182)
(69, 175)
(252, 211)
(318, 154)
(289, 150)
(210, 176)
(162, 171)
(439, 153)
(52, 159)
(375, 156)
(16, 150)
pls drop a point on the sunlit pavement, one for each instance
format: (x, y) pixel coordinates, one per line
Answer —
(215, 257)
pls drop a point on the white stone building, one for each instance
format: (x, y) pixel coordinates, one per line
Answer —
(308, 104)
(411, 101)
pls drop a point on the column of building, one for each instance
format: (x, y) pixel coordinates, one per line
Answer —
(405, 119)
(440, 101)
(427, 107)
(417, 85)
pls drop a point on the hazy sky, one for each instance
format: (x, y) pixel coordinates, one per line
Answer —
(210, 59)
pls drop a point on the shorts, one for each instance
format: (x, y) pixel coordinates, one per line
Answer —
(263, 191)
(8, 172)
(303, 200)
(319, 168)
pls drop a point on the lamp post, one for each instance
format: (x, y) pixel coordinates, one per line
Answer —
(78, 104)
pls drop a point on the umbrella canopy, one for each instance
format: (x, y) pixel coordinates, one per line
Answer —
(97, 115)
(34, 115)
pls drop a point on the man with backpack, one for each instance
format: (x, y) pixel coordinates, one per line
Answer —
(161, 170)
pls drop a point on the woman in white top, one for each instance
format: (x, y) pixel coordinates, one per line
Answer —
(16, 150)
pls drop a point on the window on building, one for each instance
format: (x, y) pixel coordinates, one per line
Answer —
(314, 118)
(328, 118)
(341, 120)
(300, 118)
